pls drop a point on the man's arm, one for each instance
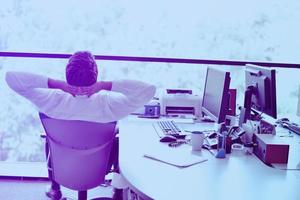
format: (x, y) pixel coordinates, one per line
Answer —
(31, 86)
(24, 83)
(132, 95)
(136, 91)
(64, 86)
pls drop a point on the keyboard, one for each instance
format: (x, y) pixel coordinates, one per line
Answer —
(168, 128)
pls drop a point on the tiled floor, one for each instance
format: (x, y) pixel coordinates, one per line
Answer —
(35, 190)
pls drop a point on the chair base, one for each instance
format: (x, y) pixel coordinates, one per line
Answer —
(82, 195)
(98, 198)
(53, 194)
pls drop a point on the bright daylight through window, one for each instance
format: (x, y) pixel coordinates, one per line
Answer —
(230, 30)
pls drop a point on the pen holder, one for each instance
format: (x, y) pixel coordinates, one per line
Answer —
(221, 145)
(228, 144)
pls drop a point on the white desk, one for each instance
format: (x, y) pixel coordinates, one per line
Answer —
(238, 176)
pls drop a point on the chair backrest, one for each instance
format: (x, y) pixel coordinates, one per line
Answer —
(79, 151)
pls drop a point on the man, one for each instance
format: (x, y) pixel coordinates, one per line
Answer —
(81, 97)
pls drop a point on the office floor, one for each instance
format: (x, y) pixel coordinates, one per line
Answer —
(35, 190)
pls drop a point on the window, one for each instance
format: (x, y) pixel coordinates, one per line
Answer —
(232, 29)
(252, 30)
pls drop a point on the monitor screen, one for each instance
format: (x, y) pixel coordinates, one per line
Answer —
(261, 86)
(216, 94)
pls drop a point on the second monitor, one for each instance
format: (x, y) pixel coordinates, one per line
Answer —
(260, 94)
(215, 101)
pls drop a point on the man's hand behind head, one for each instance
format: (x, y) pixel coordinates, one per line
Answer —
(74, 90)
(93, 89)
(80, 91)
(89, 90)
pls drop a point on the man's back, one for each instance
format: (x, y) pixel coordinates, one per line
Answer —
(105, 106)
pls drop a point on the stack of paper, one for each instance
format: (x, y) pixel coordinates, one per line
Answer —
(177, 160)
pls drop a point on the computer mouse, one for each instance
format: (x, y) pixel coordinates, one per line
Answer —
(168, 138)
(285, 119)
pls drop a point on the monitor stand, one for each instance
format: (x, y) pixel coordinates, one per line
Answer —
(250, 114)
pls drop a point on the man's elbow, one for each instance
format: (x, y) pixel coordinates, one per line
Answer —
(9, 77)
(149, 93)
(13, 81)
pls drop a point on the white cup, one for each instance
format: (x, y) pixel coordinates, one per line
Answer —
(197, 138)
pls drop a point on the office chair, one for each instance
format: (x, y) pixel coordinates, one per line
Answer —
(79, 152)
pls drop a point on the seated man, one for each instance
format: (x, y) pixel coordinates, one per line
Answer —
(81, 97)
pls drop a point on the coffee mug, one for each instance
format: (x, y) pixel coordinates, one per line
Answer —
(197, 138)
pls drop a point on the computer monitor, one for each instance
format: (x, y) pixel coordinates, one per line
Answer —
(260, 94)
(215, 100)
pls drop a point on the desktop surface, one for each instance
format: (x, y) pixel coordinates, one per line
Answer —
(238, 176)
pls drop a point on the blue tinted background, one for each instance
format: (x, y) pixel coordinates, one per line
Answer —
(244, 30)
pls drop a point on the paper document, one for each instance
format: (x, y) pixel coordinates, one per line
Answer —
(177, 160)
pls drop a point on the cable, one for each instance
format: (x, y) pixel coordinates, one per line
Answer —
(285, 123)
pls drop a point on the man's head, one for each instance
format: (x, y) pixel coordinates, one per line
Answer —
(81, 69)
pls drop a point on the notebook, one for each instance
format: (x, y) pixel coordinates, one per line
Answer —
(178, 160)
